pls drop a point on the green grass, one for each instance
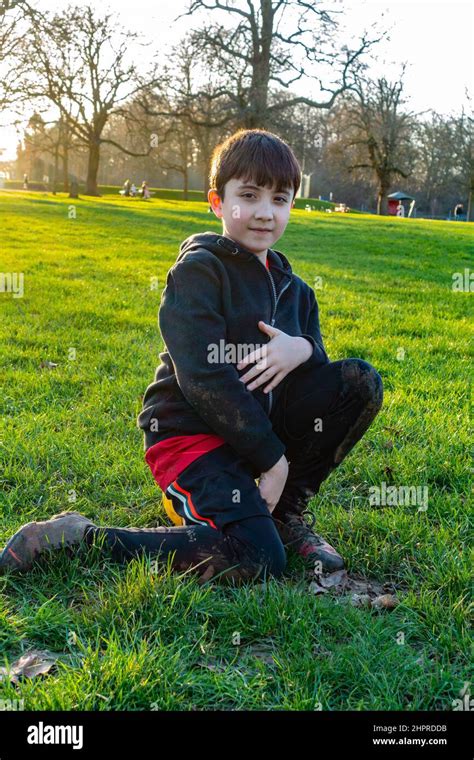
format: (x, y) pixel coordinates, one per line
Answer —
(136, 640)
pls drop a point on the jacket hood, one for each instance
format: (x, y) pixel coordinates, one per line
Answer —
(223, 246)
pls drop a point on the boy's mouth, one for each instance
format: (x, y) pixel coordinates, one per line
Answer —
(259, 229)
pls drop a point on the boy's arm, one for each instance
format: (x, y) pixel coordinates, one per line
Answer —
(313, 335)
(190, 323)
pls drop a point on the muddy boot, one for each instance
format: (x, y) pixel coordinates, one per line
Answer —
(297, 534)
(34, 538)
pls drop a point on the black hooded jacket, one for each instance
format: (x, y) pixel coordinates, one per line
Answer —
(215, 295)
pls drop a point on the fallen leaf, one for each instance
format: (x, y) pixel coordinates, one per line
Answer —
(339, 578)
(363, 592)
(385, 602)
(29, 665)
(47, 365)
(361, 600)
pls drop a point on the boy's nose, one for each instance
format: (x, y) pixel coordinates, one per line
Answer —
(264, 212)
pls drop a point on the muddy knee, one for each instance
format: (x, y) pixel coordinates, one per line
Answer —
(359, 380)
(358, 376)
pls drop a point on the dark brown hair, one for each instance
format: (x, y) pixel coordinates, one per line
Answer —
(254, 154)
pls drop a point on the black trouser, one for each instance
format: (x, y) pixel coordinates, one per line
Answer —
(321, 415)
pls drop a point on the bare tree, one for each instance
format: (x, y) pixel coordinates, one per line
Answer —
(51, 138)
(274, 44)
(464, 154)
(189, 99)
(382, 132)
(11, 19)
(80, 63)
(433, 167)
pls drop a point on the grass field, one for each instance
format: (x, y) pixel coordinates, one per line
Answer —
(136, 640)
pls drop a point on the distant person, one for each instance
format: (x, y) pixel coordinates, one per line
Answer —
(144, 191)
(400, 209)
(458, 211)
(127, 185)
(133, 190)
(25, 182)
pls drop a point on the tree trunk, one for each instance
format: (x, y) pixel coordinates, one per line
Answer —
(256, 116)
(56, 166)
(205, 185)
(66, 169)
(469, 206)
(206, 164)
(185, 184)
(93, 167)
(382, 202)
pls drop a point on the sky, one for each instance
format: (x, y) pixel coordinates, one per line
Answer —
(434, 37)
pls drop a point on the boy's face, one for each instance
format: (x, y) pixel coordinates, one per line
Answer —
(252, 215)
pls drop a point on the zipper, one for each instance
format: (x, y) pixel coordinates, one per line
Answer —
(273, 317)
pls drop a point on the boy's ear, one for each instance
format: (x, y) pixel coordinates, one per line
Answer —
(215, 203)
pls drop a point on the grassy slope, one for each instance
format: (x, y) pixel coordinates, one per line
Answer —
(144, 640)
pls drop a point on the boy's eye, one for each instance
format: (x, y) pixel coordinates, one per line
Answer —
(278, 198)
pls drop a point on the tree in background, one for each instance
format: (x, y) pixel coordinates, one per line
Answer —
(91, 102)
(381, 131)
(464, 155)
(189, 97)
(11, 28)
(333, 172)
(272, 44)
(79, 63)
(432, 180)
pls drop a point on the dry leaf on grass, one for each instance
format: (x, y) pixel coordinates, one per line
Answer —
(339, 579)
(385, 602)
(361, 600)
(29, 665)
(47, 365)
(363, 592)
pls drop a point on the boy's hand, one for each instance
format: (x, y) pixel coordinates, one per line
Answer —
(272, 483)
(276, 359)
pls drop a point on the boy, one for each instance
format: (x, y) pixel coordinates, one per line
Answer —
(245, 390)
